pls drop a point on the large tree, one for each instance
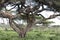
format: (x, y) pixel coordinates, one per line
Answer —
(28, 10)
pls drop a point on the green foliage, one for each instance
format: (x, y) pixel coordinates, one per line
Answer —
(34, 34)
(38, 17)
(47, 22)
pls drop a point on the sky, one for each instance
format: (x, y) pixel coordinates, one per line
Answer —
(46, 14)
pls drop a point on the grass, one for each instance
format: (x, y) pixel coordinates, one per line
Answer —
(33, 34)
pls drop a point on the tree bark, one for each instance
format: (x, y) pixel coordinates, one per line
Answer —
(21, 32)
(14, 27)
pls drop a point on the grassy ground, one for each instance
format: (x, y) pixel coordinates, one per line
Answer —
(33, 34)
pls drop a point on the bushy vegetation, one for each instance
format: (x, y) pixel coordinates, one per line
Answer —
(33, 34)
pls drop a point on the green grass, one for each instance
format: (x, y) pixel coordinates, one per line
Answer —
(33, 34)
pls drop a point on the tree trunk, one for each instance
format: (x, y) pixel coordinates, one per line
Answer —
(16, 28)
(22, 31)
(30, 22)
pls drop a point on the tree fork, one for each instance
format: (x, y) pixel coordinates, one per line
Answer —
(21, 31)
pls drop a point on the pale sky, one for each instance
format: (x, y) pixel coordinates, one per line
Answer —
(46, 14)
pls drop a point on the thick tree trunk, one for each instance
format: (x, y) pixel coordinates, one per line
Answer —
(30, 22)
(14, 27)
(22, 33)
(18, 29)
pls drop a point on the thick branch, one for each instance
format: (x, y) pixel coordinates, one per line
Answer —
(13, 26)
